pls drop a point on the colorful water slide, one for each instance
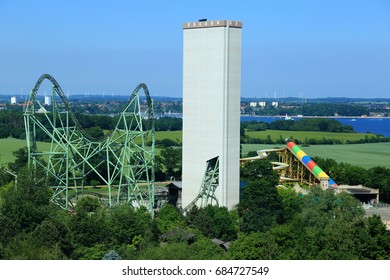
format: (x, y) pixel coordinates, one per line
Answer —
(262, 154)
(309, 163)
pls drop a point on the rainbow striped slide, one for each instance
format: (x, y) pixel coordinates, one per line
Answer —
(309, 163)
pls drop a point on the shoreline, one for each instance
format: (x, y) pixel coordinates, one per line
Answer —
(318, 117)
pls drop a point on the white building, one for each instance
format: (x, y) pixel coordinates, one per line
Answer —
(252, 104)
(47, 100)
(13, 100)
(211, 106)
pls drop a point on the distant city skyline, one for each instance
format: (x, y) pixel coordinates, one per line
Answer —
(307, 49)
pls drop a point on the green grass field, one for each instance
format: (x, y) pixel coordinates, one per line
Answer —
(9, 145)
(301, 135)
(173, 135)
(364, 155)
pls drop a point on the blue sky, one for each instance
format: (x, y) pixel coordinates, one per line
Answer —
(289, 48)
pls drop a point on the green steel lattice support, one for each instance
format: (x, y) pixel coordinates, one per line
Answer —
(127, 152)
(209, 185)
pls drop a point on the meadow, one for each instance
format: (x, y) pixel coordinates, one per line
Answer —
(302, 135)
(365, 155)
(9, 145)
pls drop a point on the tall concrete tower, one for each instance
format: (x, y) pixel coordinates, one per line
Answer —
(211, 106)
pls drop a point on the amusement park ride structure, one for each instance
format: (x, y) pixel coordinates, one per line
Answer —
(295, 165)
(123, 160)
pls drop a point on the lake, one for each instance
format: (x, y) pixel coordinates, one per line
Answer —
(374, 125)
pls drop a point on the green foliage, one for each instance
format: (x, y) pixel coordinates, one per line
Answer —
(311, 124)
(379, 178)
(346, 173)
(87, 204)
(260, 204)
(270, 223)
(165, 143)
(125, 223)
(260, 207)
(168, 124)
(169, 162)
(12, 124)
(274, 136)
(292, 202)
(169, 218)
(327, 226)
(88, 227)
(378, 239)
(201, 249)
(95, 252)
(25, 205)
(213, 222)
(254, 246)
(24, 247)
(21, 160)
(259, 170)
(5, 178)
(95, 132)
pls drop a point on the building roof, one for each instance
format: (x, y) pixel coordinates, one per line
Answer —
(383, 212)
(212, 23)
(177, 184)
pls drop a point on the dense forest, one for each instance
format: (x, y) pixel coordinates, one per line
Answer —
(268, 223)
(12, 124)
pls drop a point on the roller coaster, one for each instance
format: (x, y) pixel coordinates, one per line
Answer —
(122, 160)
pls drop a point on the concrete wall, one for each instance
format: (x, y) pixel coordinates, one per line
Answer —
(211, 109)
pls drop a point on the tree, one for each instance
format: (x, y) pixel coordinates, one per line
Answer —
(346, 173)
(5, 177)
(201, 249)
(260, 204)
(88, 226)
(260, 207)
(377, 244)
(168, 218)
(331, 224)
(95, 132)
(259, 170)
(26, 205)
(213, 222)
(254, 246)
(292, 203)
(21, 160)
(171, 161)
(379, 178)
(125, 223)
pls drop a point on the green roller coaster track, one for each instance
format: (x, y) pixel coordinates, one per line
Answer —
(123, 160)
